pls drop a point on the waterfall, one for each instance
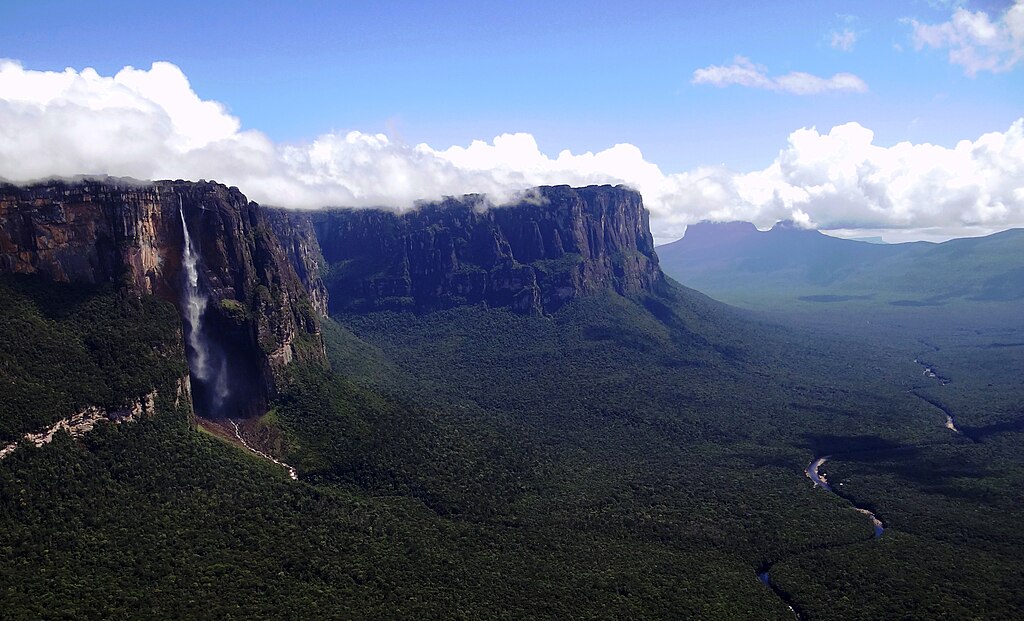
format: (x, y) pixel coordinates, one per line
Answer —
(194, 305)
(204, 369)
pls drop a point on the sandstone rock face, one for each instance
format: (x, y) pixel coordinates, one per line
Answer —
(130, 234)
(86, 232)
(267, 273)
(534, 256)
(298, 239)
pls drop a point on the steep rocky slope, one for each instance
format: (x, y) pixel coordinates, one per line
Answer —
(130, 233)
(533, 256)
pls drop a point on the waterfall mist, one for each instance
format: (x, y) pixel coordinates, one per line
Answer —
(207, 364)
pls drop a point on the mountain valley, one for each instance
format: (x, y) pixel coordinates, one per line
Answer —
(496, 412)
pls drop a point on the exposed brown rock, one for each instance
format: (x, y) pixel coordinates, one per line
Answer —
(130, 234)
(83, 421)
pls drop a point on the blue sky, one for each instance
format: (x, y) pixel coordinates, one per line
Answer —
(577, 75)
(582, 76)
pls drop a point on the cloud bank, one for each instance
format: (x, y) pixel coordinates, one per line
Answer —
(150, 124)
(743, 72)
(976, 41)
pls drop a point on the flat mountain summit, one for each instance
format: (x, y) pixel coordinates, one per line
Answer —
(734, 261)
(533, 256)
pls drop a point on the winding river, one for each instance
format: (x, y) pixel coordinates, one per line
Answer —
(767, 581)
(813, 472)
(929, 371)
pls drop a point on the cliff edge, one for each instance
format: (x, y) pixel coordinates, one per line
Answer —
(533, 256)
(131, 234)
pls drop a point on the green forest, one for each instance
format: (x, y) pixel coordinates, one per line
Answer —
(623, 458)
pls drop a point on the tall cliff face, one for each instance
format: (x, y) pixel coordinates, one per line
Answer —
(259, 314)
(533, 257)
(298, 240)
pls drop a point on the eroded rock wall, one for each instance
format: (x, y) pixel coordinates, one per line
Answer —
(130, 234)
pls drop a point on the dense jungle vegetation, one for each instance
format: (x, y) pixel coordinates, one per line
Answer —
(65, 347)
(620, 459)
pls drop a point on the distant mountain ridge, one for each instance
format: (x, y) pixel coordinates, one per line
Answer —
(733, 260)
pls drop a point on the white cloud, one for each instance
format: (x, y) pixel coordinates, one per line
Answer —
(150, 124)
(976, 41)
(844, 40)
(745, 73)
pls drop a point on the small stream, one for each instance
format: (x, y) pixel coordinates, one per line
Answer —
(292, 472)
(929, 371)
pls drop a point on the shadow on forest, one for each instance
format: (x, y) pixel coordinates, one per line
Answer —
(978, 434)
(936, 473)
(761, 460)
(829, 444)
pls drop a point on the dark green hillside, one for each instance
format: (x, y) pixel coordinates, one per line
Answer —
(412, 513)
(66, 347)
(986, 269)
(623, 457)
(687, 412)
